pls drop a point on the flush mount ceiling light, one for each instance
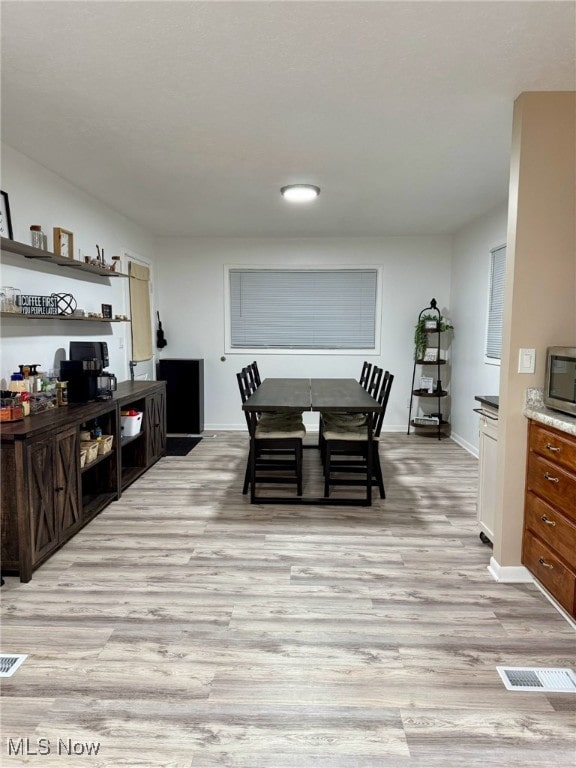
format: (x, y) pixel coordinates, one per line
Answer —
(300, 193)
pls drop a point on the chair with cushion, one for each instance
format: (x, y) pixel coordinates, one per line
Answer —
(275, 444)
(370, 379)
(352, 450)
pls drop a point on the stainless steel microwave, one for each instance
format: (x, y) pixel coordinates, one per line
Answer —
(560, 383)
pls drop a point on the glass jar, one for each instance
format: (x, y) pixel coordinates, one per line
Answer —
(37, 236)
(10, 299)
(62, 392)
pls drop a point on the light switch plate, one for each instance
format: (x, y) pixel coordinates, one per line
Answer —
(527, 361)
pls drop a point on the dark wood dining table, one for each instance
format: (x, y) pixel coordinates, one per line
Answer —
(327, 395)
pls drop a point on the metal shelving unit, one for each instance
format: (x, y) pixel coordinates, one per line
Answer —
(439, 394)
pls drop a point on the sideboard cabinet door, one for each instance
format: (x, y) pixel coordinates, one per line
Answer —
(43, 523)
(156, 426)
(67, 489)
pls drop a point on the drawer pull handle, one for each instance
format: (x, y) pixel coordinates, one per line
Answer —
(544, 563)
(545, 520)
(552, 448)
(551, 479)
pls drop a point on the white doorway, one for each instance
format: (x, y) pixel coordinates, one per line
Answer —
(143, 370)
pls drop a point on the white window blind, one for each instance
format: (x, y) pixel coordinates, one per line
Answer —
(496, 303)
(303, 308)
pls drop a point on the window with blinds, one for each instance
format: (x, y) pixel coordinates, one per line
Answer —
(496, 303)
(316, 309)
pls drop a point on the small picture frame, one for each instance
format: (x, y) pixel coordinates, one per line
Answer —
(430, 355)
(427, 384)
(5, 218)
(63, 243)
(107, 311)
(431, 325)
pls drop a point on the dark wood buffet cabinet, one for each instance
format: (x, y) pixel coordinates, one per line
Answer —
(549, 540)
(46, 495)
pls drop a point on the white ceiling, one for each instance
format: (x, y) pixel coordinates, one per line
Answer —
(188, 117)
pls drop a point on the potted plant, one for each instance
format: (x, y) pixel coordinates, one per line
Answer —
(423, 328)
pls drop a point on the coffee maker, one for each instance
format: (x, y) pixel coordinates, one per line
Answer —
(85, 374)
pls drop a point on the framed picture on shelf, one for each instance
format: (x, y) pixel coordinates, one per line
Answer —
(430, 355)
(431, 325)
(426, 384)
(63, 243)
(5, 218)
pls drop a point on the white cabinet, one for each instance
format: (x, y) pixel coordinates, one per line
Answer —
(488, 458)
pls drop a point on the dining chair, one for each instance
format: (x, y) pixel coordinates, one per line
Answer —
(370, 378)
(275, 444)
(352, 450)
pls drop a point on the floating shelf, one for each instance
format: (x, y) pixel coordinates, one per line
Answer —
(30, 252)
(18, 316)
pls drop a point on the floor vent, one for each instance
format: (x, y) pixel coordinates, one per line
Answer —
(543, 680)
(9, 663)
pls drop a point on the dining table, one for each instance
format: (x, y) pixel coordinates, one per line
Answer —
(319, 395)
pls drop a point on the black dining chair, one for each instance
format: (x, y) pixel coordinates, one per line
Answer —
(275, 444)
(370, 378)
(348, 450)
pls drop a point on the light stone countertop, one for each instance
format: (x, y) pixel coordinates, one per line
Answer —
(536, 410)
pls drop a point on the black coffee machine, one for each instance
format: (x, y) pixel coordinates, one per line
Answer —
(85, 373)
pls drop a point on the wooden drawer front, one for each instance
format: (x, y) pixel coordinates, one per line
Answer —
(549, 570)
(554, 447)
(552, 484)
(552, 528)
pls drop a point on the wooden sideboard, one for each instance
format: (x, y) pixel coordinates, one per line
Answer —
(46, 495)
(549, 540)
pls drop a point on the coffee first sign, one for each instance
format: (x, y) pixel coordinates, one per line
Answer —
(38, 305)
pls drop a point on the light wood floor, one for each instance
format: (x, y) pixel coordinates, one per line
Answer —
(185, 628)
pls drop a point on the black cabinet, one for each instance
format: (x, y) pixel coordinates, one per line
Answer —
(184, 395)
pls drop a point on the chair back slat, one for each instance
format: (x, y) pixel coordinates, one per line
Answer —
(375, 379)
(365, 374)
(256, 373)
(249, 370)
(246, 389)
(382, 398)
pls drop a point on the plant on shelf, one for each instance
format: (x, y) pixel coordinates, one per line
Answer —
(421, 336)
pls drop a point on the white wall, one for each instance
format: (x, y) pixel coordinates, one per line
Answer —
(191, 302)
(39, 196)
(471, 376)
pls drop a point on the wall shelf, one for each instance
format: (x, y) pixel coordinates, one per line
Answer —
(47, 257)
(18, 316)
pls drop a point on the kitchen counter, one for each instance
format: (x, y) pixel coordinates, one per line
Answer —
(535, 409)
(490, 400)
(551, 418)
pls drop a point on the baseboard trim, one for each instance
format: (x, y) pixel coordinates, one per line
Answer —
(465, 444)
(509, 574)
(555, 603)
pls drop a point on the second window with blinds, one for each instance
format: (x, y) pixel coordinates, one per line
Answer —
(496, 305)
(302, 309)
